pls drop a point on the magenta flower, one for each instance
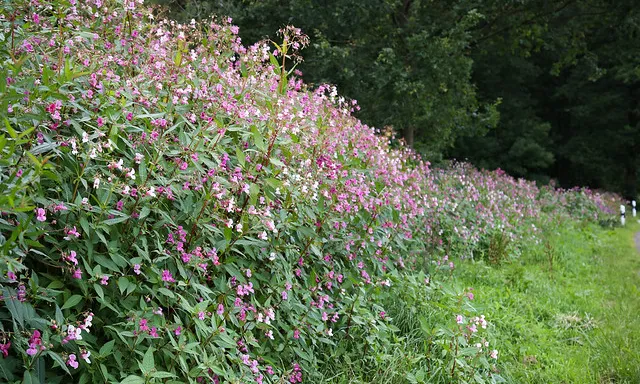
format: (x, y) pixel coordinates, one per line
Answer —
(72, 258)
(35, 343)
(4, 348)
(167, 276)
(220, 310)
(136, 269)
(41, 214)
(77, 274)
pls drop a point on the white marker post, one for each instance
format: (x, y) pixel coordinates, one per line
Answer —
(633, 204)
(622, 220)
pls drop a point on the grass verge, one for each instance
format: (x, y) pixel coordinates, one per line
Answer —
(568, 309)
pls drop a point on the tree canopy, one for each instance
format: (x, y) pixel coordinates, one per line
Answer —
(542, 89)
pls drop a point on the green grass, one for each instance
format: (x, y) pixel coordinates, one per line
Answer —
(573, 320)
(566, 310)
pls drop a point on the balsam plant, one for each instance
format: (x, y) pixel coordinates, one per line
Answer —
(176, 207)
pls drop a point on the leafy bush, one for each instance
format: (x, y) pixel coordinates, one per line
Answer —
(177, 207)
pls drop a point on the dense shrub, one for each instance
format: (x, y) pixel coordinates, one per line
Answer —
(177, 207)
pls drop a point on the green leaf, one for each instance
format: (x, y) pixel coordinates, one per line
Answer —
(225, 341)
(16, 308)
(148, 364)
(162, 375)
(144, 212)
(58, 360)
(241, 156)
(107, 348)
(166, 292)
(98, 290)
(115, 220)
(72, 301)
(30, 378)
(132, 379)
(123, 284)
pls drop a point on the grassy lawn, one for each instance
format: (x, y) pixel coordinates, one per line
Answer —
(568, 309)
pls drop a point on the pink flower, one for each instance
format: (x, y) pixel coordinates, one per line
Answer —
(154, 332)
(201, 315)
(459, 319)
(178, 331)
(4, 348)
(494, 354)
(136, 269)
(72, 257)
(71, 232)
(85, 356)
(35, 343)
(104, 280)
(166, 276)
(296, 334)
(72, 362)
(220, 310)
(41, 214)
(143, 325)
(77, 274)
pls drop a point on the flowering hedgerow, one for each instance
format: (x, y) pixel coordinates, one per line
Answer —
(176, 207)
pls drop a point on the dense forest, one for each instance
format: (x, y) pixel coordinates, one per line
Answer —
(547, 90)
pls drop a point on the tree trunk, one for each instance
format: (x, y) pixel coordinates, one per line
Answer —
(408, 135)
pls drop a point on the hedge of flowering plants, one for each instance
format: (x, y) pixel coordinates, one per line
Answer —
(176, 207)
